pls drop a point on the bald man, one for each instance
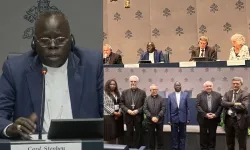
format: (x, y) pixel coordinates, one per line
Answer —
(152, 54)
(209, 110)
(132, 101)
(155, 108)
(73, 82)
(178, 116)
(109, 57)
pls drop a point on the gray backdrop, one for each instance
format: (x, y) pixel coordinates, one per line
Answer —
(17, 19)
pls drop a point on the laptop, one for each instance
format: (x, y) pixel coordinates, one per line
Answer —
(200, 58)
(76, 129)
(144, 62)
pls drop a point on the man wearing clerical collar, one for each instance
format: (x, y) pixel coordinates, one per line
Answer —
(154, 108)
(152, 54)
(73, 82)
(132, 101)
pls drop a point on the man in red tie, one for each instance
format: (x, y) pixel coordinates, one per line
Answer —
(204, 50)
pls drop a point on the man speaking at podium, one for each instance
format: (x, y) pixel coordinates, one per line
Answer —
(55, 80)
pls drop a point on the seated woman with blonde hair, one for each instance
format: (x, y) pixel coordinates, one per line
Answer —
(239, 51)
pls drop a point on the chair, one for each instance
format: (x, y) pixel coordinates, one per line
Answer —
(166, 56)
(13, 54)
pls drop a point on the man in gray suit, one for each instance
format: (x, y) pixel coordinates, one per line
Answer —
(154, 108)
(209, 109)
(235, 103)
(132, 101)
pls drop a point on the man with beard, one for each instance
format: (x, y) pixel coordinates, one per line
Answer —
(152, 54)
(132, 101)
(73, 81)
(209, 109)
(178, 116)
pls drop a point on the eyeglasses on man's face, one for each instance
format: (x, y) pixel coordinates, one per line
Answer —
(46, 42)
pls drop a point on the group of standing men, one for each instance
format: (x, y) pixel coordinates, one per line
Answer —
(210, 104)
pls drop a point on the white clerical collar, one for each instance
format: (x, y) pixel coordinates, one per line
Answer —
(59, 69)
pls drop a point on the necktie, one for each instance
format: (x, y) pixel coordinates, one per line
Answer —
(202, 53)
(234, 97)
(233, 114)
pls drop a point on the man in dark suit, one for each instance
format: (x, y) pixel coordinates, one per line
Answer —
(152, 54)
(204, 50)
(154, 108)
(178, 116)
(235, 103)
(109, 57)
(209, 109)
(132, 101)
(73, 81)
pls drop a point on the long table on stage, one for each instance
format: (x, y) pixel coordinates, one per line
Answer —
(202, 64)
(96, 144)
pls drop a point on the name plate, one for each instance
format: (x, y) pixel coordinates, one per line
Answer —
(48, 146)
(235, 62)
(131, 66)
(187, 64)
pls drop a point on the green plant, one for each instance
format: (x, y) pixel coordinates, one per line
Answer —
(222, 124)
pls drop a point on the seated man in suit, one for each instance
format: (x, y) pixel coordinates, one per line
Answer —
(73, 82)
(152, 54)
(178, 116)
(204, 50)
(109, 57)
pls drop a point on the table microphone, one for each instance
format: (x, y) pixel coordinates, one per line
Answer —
(44, 71)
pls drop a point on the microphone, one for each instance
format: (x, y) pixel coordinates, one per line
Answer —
(44, 71)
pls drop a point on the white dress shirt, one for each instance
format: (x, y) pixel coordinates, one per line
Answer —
(57, 97)
(151, 57)
(178, 98)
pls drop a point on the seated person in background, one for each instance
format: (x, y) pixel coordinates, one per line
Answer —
(204, 50)
(239, 51)
(73, 81)
(152, 54)
(109, 57)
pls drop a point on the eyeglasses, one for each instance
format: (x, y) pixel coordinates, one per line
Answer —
(46, 42)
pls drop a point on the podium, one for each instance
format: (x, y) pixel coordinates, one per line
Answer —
(93, 144)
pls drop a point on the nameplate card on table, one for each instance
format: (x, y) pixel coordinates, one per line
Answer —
(131, 66)
(236, 63)
(47, 146)
(187, 64)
